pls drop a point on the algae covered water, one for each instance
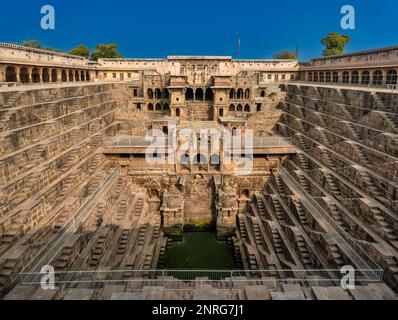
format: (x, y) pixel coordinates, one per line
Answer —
(199, 250)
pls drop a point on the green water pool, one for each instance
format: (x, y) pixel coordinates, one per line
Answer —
(199, 250)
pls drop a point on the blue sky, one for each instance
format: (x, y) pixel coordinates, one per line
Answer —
(155, 28)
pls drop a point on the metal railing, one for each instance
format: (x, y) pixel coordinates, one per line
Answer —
(50, 250)
(99, 278)
(358, 256)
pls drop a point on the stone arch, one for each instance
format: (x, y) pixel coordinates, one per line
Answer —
(392, 77)
(178, 112)
(247, 108)
(232, 94)
(328, 76)
(82, 76)
(239, 94)
(247, 94)
(377, 78)
(71, 75)
(166, 94)
(158, 94)
(310, 77)
(209, 96)
(262, 94)
(239, 108)
(189, 94)
(135, 93)
(158, 107)
(45, 75)
(346, 77)
(365, 79)
(88, 76)
(166, 107)
(199, 94)
(335, 77)
(77, 78)
(316, 77)
(35, 75)
(221, 112)
(64, 76)
(355, 77)
(24, 75)
(232, 108)
(150, 94)
(11, 74)
(321, 77)
(150, 107)
(54, 75)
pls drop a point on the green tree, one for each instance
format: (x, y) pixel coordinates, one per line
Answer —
(81, 50)
(335, 43)
(285, 55)
(32, 44)
(105, 51)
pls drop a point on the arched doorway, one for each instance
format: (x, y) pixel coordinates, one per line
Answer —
(365, 77)
(35, 75)
(378, 78)
(45, 75)
(63, 76)
(247, 108)
(391, 77)
(87, 76)
(82, 76)
(71, 75)
(158, 94)
(209, 95)
(232, 108)
(24, 75)
(240, 94)
(189, 94)
(232, 94)
(150, 94)
(355, 77)
(150, 107)
(346, 77)
(158, 107)
(11, 74)
(166, 94)
(54, 75)
(77, 78)
(199, 94)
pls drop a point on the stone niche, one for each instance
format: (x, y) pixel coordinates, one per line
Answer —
(173, 212)
(227, 211)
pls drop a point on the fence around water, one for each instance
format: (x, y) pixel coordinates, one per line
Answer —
(99, 278)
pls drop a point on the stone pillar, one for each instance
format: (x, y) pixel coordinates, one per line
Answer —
(17, 74)
(227, 211)
(2, 73)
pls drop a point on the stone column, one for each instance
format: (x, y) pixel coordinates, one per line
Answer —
(18, 73)
(2, 73)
